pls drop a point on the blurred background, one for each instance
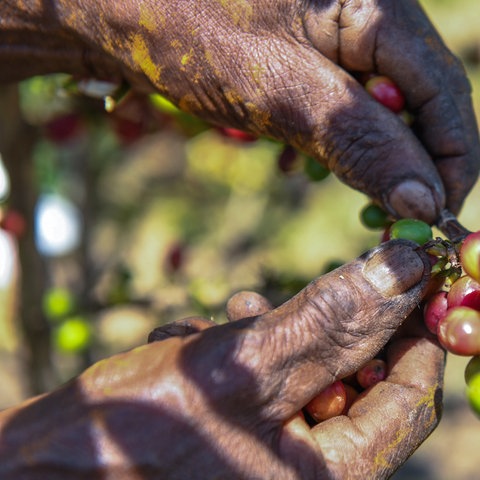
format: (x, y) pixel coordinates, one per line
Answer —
(121, 222)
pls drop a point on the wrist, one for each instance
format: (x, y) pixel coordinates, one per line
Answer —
(36, 39)
(46, 436)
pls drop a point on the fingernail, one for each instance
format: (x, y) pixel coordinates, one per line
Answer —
(394, 268)
(413, 199)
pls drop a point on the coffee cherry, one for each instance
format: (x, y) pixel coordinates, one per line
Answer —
(238, 135)
(411, 229)
(472, 369)
(372, 372)
(287, 160)
(464, 292)
(435, 310)
(314, 170)
(470, 255)
(386, 92)
(473, 394)
(351, 395)
(374, 217)
(459, 331)
(472, 379)
(329, 403)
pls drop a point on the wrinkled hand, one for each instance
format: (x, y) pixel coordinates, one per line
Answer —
(222, 402)
(283, 68)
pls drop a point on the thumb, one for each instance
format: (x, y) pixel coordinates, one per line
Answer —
(326, 332)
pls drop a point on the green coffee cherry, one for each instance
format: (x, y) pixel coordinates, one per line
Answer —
(374, 217)
(473, 394)
(314, 170)
(411, 229)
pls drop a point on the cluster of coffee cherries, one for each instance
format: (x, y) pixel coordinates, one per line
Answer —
(452, 311)
(339, 397)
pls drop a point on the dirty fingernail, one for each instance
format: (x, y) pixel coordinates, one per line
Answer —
(394, 268)
(180, 328)
(414, 199)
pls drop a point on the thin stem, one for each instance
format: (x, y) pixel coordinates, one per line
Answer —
(449, 225)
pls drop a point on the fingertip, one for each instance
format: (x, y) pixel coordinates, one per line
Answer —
(413, 199)
(395, 267)
(246, 304)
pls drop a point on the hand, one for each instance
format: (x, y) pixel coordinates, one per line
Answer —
(283, 69)
(223, 402)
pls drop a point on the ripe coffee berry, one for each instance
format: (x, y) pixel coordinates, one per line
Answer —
(372, 372)
(386, 92)
(470, 255)
(459, 331)
(435, 310)
(329, 403)
(287, 159)
(235, 134)
(465, 292)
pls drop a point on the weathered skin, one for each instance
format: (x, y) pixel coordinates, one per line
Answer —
(280, 69)
(222, 402)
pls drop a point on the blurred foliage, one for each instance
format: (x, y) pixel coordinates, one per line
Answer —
(176, 215)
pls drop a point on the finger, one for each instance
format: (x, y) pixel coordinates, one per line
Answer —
(246, 304)
(439, 94)
(284, 87)
(180, 328)
(364, 144)
(281, 359)
(385, 426)
(405, 46)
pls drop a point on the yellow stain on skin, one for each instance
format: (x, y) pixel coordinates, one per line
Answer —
(233, 97)
(241, 11)
(210, 59)
(381, 460)
(259, 117)
(189, 104)
(186, 57)
(150, 19)
(197, 77)
(428, 402)
(257, 72)
(141, 56)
